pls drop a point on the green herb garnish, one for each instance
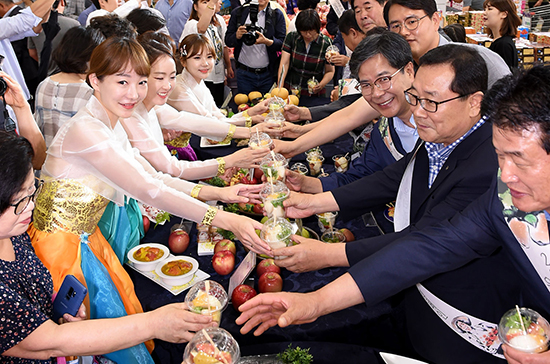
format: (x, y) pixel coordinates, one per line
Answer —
(295, 356)
(160, 218)
(216, 181)
(226, 234)
(284, 233)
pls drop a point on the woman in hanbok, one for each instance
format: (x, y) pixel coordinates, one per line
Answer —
(144, 130)
(90, 163)
(197, 56)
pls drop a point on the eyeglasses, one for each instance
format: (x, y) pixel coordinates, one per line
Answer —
(22, 204)
(409, 23)
(427, 104)
(383, 83)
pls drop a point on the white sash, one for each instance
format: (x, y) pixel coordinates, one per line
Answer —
(402, 212)
(337, 6)
(479, 333)
(530, 230)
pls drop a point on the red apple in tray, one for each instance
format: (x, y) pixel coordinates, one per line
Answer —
(267, 265)
(225, 244)
(241, 294)
(223, 262)
(270, 282)
(178, 241)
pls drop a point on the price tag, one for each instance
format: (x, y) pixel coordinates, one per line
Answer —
(246, 267)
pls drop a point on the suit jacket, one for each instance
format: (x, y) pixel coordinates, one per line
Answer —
(275, 30)
(374, 158)
(466, 175)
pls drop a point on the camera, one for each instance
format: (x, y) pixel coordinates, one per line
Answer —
(252, 30)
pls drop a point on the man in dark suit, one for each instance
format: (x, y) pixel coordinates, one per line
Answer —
(257, 64)
(454, 166)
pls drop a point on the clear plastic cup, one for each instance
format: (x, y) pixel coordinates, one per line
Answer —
(333, 236)
(273, 196)
(311, 83)
(276, 233)
(530, 336)
(212, 345)
(314, 150)
(330, 52)
(326, 220)
(207, 302)
(275, 123)
(315, 162)
(260, 140)
(300, 168)
(276, 106)
(295, 90)
(273, 165)
(341, 162)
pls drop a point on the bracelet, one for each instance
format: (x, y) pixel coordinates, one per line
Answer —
(209, 215)
(247, 118)
(196, 190)
(230, 134)
(210, 7)
(221, 165)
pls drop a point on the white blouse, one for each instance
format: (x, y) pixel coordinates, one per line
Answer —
(88, 150)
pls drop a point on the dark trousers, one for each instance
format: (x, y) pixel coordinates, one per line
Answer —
(250, 81)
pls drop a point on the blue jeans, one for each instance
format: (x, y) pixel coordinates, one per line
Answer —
(250, 81)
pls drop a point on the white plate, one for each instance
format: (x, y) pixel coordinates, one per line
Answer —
(206, 144)
(397, 359)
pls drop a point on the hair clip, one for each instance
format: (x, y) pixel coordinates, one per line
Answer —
(183, 51)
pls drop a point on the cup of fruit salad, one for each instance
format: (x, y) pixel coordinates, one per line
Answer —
(276, 233)
(212, 345)
(300, 168)
(275, 122)
(207, 298)
(260, 140)
(341, 162)
(331, 51)
(272, 196)
(326, 220)
(273, 165)
(333, 236)
(315, 162)
(525, 330)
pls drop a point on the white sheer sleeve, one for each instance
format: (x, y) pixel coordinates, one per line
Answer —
(89, 147)
(212, 128)
(197, 99)
(141, 136)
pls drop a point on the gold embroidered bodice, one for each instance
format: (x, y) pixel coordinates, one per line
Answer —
(68, 205)
(180, 142)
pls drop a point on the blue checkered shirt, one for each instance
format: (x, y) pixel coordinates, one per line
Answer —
(438, 153)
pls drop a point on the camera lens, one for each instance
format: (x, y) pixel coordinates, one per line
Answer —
(249, 38)
(3, 86)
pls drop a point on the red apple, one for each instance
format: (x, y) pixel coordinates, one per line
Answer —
(258, 208)
(270, 282)
(223, 262)
(225, 244)
(243, 107)
(146, 223)
(267, 265)
(348, 234)
(178, 241)
(241, 294)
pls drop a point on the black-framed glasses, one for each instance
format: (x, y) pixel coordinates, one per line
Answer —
(427, 104)
(22, 204)
(383, 83)
(410, 23)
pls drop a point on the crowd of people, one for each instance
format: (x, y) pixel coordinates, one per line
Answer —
(99, 111)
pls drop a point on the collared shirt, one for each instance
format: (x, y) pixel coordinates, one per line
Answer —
(407, 135)
(438, 153)
(305, 62)
(255, 56)
(176, 15)
(15, 28)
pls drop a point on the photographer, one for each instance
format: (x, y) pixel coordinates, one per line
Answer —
(13, 96)
(257, 62)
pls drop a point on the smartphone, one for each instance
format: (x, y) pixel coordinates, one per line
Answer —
(69, 298)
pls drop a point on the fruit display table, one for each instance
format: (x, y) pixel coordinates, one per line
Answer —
(345, 334)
